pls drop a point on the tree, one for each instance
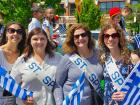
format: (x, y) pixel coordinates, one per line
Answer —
(90, 14)
(20, 10)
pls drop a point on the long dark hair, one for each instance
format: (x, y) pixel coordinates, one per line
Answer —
(21, 44)
(29, 49)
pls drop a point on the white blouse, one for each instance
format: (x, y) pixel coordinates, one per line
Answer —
(41, 94)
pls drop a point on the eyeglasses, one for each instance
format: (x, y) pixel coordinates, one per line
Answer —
(113, 36)
(12, 30)
(82, 35)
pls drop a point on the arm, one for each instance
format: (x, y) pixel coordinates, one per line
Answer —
(61, 76)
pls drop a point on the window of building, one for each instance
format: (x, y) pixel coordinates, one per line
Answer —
(105, 6)
(72, 9)
(134, 1)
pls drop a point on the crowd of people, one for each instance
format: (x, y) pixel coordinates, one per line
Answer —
(32, 61)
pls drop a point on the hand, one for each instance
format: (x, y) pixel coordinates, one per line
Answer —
(118, 96)
(29, 101)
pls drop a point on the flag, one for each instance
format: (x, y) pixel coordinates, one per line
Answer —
(75, 95)
(9, 84)
(137, 41)
(132, 88)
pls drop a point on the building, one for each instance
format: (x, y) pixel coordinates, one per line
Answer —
(104, 5)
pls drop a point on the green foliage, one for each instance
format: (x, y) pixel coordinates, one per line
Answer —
(90, 14)
(16, 10)
(134, 26)
(20, 10)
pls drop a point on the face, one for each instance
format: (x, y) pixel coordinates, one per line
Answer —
(80, 38)
(111, 38)
(39, 15)
(116, 19)
(49, 13)
(125, 13)
(39, 42)
(14, 34)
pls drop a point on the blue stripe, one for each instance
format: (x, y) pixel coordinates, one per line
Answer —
(132, 96)
(12, 86)
(138, 99)
(78, 98)
(5, 83)
(17, 91)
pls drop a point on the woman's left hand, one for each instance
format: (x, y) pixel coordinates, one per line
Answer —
(118, 96)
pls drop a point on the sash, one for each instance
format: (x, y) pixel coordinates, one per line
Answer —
(91, 77)
(114, 73)
(46, 76)
(9, 84)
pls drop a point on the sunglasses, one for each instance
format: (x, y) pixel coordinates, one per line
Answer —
(82, 35)
(113, 36)
(12, 30)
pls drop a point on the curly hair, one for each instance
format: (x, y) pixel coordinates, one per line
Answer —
(29, 49)
(69, 46)
(104, 51)
(21, 44)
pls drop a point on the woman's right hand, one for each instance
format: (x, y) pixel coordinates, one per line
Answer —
(29, 101)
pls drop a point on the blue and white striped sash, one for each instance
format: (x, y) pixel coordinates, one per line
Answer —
(9, 84)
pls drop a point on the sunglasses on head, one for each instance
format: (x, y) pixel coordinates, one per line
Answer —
(114, 35)
(12, 30)
(82, 35)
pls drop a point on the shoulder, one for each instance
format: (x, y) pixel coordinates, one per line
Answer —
(134, 58)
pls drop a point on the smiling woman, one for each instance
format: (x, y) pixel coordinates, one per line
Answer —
(36, 68)
(115, 59)
(11, 47)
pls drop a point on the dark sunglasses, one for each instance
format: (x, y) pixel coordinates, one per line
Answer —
(12, 30)
(82, 35)
(113, 36)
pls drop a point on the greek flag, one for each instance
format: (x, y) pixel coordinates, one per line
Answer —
(132, 87)
(62, 29)
(137, 41)
(9, 84)
(75, 95)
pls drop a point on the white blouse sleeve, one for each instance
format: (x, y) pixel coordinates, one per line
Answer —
(16, 69)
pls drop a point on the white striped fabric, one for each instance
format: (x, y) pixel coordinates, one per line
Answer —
(9, 84)
(137, 40)
(132, 87)
(75, 95)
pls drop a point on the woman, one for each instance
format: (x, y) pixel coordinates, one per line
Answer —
(113, 49)
(11, 47)
(36, 68)
(78, 41)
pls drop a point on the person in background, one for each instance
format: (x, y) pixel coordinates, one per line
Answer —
(125, 12)
(115, 16)
(48, 22)
(37, 15)
(112, 44)
(36, 68)
(11, 47)
(78, 41)
(1, 23)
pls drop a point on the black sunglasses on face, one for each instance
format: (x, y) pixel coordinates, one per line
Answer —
(12, 30)
(113, 36)
(82, 35)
